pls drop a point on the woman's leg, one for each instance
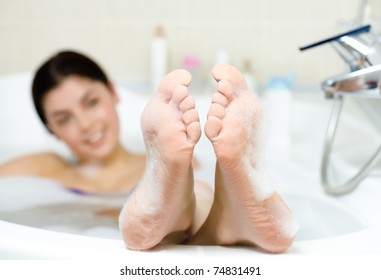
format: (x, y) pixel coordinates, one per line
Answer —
(246, 207)
(163, 204)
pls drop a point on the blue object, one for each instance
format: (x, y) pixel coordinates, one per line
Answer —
(281, 82)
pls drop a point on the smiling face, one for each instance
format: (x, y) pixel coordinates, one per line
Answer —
(81, 112)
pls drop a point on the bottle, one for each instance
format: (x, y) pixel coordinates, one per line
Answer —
(277, 108)
(158, 58)
(192, 64)
(248, 74)
(221, 57)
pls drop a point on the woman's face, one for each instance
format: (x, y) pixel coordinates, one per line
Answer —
(81, 112)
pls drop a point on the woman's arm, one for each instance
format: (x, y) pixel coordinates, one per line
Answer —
(44, 165)
(49, 165)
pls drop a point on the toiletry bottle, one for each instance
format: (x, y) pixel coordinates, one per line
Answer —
(158, 58)
(192, 64)
(248, 73)
(277, 105)
(221, 57)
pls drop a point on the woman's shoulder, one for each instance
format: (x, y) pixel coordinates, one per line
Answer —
(46, 158)
(40, 164)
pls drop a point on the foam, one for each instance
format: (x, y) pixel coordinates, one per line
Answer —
(152, 180)
(123, 212)
(289, 227)
(150, 196)
(256, 127)
(262, 184)
(255, 123)
(89, 170)
(286, 223)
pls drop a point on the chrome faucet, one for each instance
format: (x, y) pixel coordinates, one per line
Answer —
(360, 50)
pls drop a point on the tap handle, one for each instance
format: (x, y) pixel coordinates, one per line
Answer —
(353, 32)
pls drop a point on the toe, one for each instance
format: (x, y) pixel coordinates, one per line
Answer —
(219, 98)
(179, 94)
(187, 104)
(229, 73)
(226, 89)
(171, 81)
(190, 116)
(216, 110)
(194, 131)
(212, 127)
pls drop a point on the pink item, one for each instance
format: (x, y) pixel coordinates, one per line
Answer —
(191, 62)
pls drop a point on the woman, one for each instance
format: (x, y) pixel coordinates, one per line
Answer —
(76, 102)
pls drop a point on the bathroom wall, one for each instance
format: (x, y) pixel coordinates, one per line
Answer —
(118, 34)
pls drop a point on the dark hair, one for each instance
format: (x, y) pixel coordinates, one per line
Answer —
(62, 65)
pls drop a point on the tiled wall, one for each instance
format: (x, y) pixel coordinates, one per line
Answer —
(118, 33)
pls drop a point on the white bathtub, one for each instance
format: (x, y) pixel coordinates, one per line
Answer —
(35, 225)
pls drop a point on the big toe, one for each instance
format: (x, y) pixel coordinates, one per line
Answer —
(229, 73)
(171, 81)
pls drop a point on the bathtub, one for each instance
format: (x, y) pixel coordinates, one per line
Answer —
(39, 219)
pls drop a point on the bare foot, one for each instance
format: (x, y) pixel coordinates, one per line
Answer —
(246, 208)
(164, 202)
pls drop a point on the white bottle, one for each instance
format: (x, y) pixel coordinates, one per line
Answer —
(192, 64)
(248, 73)
(221, 57)
(158, 58)
(277, 106)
